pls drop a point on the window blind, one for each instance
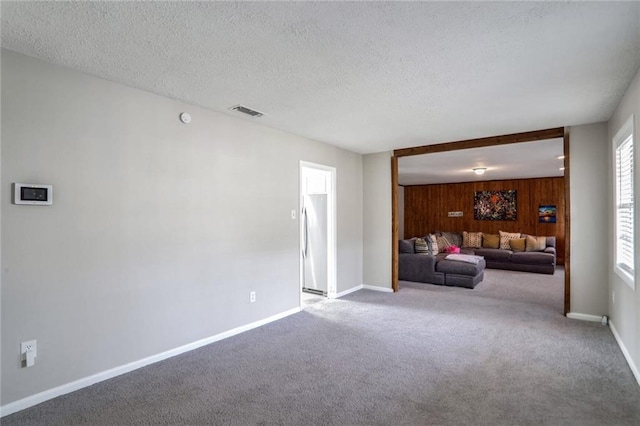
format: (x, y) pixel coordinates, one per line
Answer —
(624, 205)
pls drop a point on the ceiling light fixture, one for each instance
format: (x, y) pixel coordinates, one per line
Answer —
(479, 170)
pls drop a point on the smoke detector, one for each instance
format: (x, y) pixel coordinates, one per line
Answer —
(243, 109)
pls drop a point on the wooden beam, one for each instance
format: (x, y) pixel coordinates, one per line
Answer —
(536, 135)
(394, 224)
(567, 226)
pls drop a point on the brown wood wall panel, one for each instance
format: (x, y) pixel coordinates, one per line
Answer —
(426, 208)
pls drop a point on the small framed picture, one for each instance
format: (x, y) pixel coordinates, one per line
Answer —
(547, 214)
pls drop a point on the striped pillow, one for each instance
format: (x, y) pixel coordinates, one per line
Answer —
(421, 246)
(453, 237)
(443, 244)
(505, 237)
(432, 244)
(471, 239)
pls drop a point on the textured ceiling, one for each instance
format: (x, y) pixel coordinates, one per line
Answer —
(515, 161)
(366, 76)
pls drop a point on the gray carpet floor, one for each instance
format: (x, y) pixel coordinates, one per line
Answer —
(500, 354)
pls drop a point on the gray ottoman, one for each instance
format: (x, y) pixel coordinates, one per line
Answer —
(461, 274)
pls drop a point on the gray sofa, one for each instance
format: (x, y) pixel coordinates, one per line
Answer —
(542, 262)
(437, 270)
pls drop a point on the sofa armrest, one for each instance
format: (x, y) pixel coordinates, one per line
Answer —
(551, 242)
(552, 250)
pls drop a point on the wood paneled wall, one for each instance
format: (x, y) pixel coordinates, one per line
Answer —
(426, 208)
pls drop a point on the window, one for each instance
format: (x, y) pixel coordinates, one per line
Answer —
(624, 217)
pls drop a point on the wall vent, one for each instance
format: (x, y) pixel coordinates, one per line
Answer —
(243, 109)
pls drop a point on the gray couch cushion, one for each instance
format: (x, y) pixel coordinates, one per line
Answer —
(494, 254)
(511, 266)
(533, 258)
(463, 280)
(460, 268)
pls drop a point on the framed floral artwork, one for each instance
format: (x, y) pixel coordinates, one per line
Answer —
(495, 205)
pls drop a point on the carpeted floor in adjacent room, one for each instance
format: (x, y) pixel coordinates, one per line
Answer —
(500, 354)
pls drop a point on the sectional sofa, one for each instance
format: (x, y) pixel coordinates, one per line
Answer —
(436, 269)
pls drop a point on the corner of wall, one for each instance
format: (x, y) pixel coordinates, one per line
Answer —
(377, 219)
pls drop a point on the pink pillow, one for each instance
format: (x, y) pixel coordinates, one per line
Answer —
(453, 249)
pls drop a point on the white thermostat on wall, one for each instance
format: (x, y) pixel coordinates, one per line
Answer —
(29, 193)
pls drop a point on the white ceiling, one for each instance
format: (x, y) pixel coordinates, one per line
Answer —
(366, 76)
(515, 161)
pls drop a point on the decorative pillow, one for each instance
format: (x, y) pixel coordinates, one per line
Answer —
(406, 246)
(443, 244)
(453, 238)
(453, 249)
(505, 237)
(432, 244)
(420, 246)
(490, 241)
(536, 243)
(471, 239)
(517, 244)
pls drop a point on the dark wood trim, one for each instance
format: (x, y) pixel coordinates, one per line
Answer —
(536, 135)
(480, 143)
(567, 226)
(394, 223)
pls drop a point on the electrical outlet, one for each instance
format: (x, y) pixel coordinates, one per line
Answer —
(252, 296)
(28, 353)
(293, 215)
(30, 346)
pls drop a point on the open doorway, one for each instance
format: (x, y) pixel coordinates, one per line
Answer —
(504, 140)
(317, 232)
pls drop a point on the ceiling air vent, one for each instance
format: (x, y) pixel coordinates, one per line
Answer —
(245, 110)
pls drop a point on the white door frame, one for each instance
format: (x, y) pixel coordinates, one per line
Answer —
(332, 271)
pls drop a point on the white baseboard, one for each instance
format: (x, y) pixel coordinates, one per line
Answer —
(32, 400)
(344, 293)
(377, 288)
(625, 352)
(360, 287)
(584, 317)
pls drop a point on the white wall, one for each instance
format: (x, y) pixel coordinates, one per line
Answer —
(589, 210)
(625, 312)
(158, 231)
(377, 219)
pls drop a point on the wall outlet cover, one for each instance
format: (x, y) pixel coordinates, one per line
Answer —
(29, 346)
